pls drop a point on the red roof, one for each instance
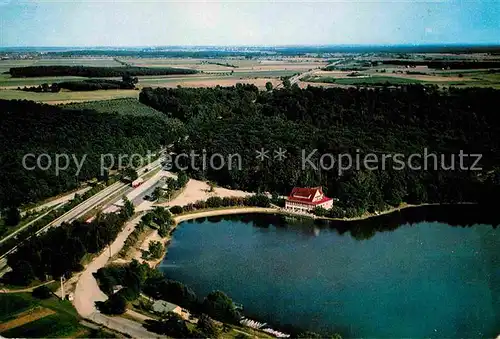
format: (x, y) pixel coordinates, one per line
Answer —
(306, 195)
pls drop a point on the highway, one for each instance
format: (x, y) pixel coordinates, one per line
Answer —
(296, 78)
(91, 202)
(28, 224)
(57, 201)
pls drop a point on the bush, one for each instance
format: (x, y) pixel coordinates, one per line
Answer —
(42, 292)
(155, 250)
(176, 209)
(207, 327)
(214, 202)
(258, 200)
(336, 212)
(320, 211)
(116, 304)
(219, 306)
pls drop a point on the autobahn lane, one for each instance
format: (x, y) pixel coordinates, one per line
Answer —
(90, 203)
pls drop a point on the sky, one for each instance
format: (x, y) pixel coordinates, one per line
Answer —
(232, 22)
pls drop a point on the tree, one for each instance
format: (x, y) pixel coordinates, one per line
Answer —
(171, 324)
(219, 306)
(214, 202)
(269, 86)
(320, 211)
(42, 292)
(12, 216)
(128, 209)
(176, 209)
(22, 274)
(286, 83)
(155, 250)
(207, 327)
(182, 179)
(116, 304)
(129, 173)
(157, 193)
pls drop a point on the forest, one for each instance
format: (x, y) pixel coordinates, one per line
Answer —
(93, 72)
(28, 127)
(60, 250)
(84, 85)
(405, 120)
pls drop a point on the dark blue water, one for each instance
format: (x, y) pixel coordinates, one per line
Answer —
(424, 280)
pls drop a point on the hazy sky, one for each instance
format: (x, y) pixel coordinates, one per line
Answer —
(143, 22)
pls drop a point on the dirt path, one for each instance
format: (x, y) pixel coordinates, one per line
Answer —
(87, 292)
(26, 317)
(25, 290)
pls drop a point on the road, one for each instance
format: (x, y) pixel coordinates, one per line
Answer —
(57, 201)
(92, 202)
(25, 290)
(87, 292)
(27, 225)
(296, 78)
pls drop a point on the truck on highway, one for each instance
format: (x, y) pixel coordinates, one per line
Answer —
(137, 182)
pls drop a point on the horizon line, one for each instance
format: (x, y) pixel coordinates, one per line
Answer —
(441, 44)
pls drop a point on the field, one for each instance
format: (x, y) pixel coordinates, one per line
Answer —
(214, 73)
(258, 71)
(397, 77)
(23, 316)
(67, 96)
(126, 106)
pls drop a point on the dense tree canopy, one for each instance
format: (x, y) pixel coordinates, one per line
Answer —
(89, 71)
(59, 251)
(408, 119)
(30, 128)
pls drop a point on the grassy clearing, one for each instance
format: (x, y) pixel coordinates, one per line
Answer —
(12, 304)
(492, 82)
(67, 97)
(13, 83)
(125, 106)
(26, 317)
(63, 322)
(53, 326)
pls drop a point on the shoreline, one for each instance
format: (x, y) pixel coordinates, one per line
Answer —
(153, 236)
(265, 210)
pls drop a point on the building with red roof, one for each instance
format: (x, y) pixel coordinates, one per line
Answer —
(305, 199)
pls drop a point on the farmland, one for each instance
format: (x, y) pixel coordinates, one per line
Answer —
(329, 70)
(22, 315)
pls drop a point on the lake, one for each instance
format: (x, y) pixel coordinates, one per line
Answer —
(392, 276)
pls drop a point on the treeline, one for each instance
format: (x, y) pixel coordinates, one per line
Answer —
(10, 243)
(95, 85)
(136, 278)
(335, 121)
(222, 64)
(93, 72)
(257, 200)
(84, 85)
(30, 128)
(446, 64)
(60, 250)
